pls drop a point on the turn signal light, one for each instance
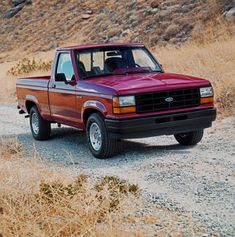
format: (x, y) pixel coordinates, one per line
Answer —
(115, 102)
(207, 100)
(123, 110)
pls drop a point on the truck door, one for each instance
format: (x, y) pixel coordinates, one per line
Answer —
(62, 93)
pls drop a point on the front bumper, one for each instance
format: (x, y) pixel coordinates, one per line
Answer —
(161, 124)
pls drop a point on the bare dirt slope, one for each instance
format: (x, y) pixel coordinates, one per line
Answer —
(197, 182)
(43, 25)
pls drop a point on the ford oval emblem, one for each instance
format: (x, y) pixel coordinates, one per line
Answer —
(169, 99)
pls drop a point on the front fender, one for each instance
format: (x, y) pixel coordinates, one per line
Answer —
(95, 105)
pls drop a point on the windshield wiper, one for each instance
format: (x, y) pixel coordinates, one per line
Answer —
(103, 75)
(99, 75)
(140, 71)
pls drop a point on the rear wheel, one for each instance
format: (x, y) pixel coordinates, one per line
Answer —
(40, 128)
(99, 141)
(190, 138)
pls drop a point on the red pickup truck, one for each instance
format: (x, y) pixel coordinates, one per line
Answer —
(114, 92)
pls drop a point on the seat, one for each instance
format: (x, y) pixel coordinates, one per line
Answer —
(81, 69)
(114, 63)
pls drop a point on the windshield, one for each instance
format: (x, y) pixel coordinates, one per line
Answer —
(107, 61)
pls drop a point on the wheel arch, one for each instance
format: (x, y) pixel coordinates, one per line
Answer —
(30, 102)
(88, 112)
(91, 107)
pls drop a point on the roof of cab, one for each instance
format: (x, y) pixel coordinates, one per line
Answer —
(89, 46)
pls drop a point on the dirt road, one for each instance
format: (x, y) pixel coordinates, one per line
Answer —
(197, 181)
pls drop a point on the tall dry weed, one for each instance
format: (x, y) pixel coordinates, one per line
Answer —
(36, 201)
(9, 148)
(26, 66)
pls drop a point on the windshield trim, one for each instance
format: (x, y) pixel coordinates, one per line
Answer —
(114, 47)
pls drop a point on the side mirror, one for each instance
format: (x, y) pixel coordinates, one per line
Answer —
(61, 77)
(162, 67)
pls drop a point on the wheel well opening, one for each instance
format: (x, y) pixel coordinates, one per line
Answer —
(87, 114)
(29, 105)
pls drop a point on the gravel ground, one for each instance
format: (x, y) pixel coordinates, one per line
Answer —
(197, 182)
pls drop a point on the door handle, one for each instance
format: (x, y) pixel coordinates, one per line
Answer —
(54, 86)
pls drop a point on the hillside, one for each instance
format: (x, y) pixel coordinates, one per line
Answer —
(154, 187)
(36, 25)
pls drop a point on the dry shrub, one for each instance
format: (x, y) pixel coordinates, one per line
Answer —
(217, 26)
(59, 209)
(42, 199)
(26, 66)
(226, 98)
(36, 201)
(115, 188)
(171, 31)
(9, 148)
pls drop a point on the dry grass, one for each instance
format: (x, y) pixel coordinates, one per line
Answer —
(41, 199)
(10, 148)
(26, 66)
(214, 61)
(36, 201)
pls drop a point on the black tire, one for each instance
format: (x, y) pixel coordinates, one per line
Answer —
(108, 147)
(190, 138)
(44, 127)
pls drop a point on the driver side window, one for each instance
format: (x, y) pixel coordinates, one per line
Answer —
(65, 66)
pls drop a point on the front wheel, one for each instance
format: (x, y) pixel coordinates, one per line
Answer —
(190, 138)
(99, 141)
(40, 128)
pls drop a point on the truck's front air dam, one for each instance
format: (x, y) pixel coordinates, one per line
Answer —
(161, 125)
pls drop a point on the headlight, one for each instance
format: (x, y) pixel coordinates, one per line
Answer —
(125, 101)
(124, 104)
(207, 95)
(206, 92)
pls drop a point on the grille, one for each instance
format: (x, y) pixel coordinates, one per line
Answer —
(156, 101)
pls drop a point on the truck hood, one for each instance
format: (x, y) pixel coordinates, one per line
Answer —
(138, 83)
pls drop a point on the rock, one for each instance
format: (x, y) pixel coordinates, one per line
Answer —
(225, 5)
(18, 2)
(155, 10)
(12, 12)
(53, 45)
(88, 12)
(126, 33)
(113, 39)
(114, 32)
(18, 5)
(174, 7)
(86, 16)
(231, 13)
(165, 13)
(155, 4)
